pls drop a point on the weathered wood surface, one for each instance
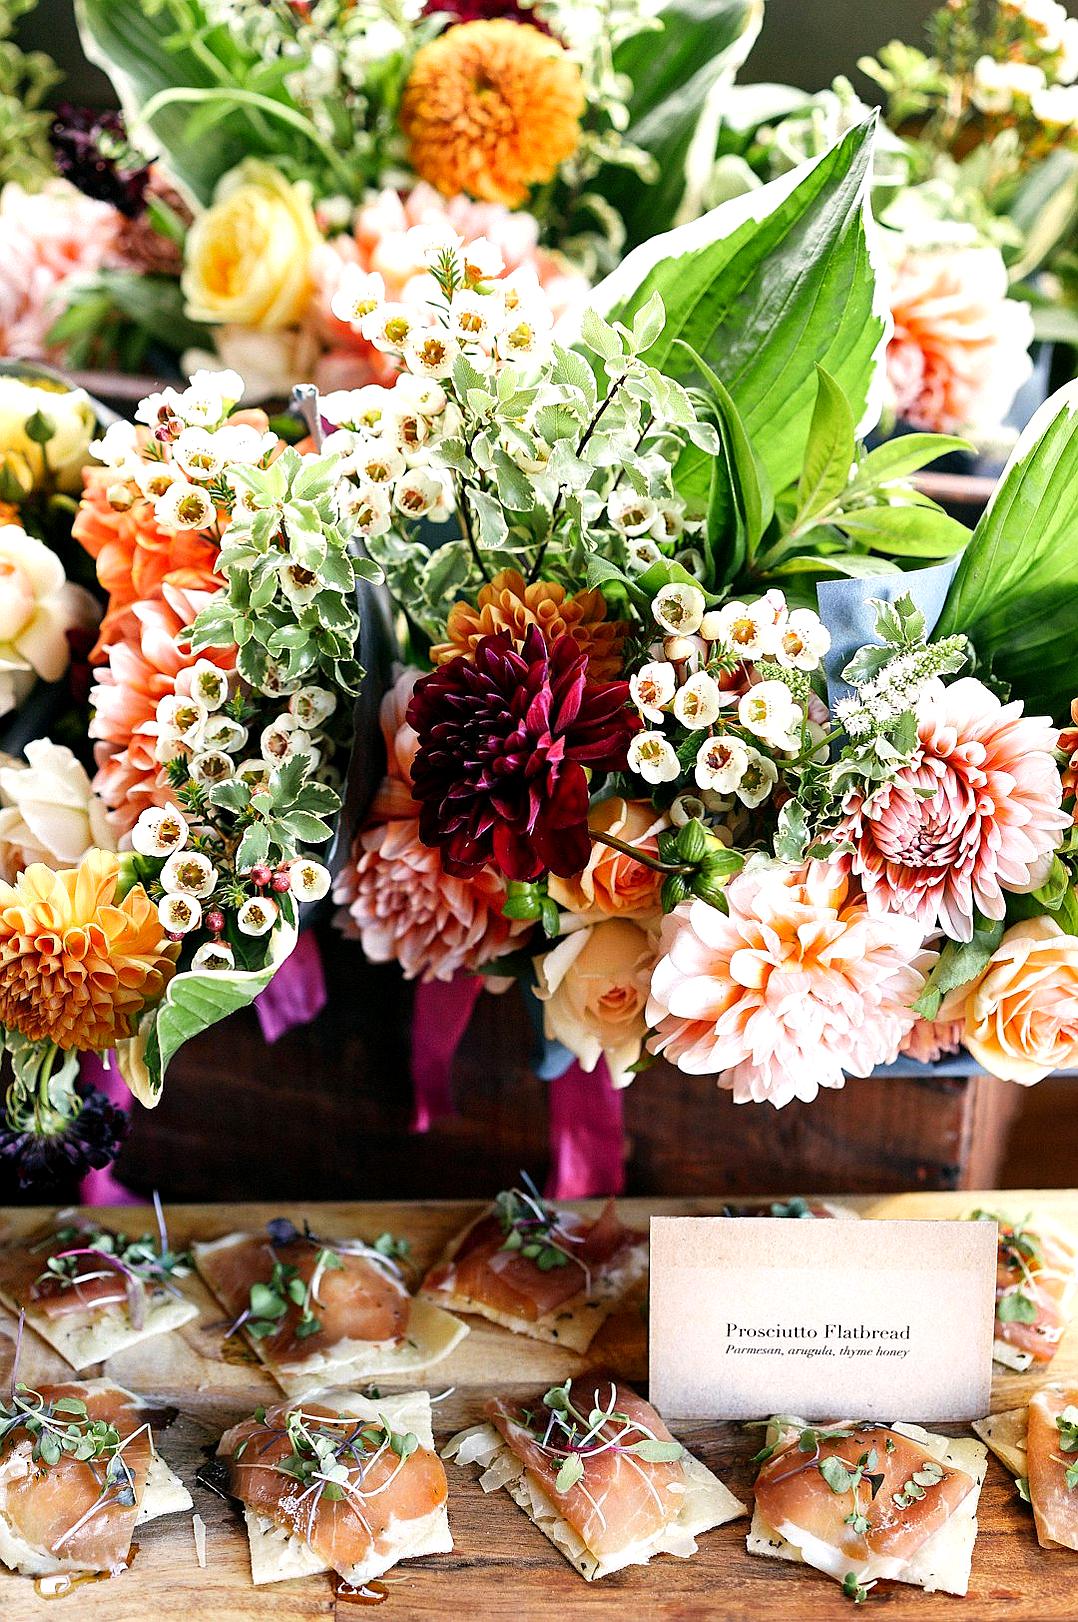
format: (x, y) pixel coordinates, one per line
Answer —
(501, 1566)
(328, 1108)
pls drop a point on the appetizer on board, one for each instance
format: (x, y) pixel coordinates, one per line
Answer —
(1039, 1445)
(865, 1501)
(340, 1484)
(797, 1208)
(90, 1291)
(597, 1471)
(324, 1311)
(1036, 1282)
(78, 1473)
(540, 1269)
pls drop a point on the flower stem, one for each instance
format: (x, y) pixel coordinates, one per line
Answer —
(653, 862)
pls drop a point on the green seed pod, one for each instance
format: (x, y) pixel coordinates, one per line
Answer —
(692, 841)
(674, 891)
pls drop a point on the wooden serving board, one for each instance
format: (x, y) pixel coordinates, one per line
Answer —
(502, 1566)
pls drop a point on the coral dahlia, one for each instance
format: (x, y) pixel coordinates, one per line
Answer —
(506, 741)
(491, 108)
(797, 986)
(77, 964)
(506, 603)
(975, 813)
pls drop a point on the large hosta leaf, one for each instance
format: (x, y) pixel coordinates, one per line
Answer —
(193, 1002)
(1016, 590)
(765, 288)
(214, 102)
(674, 107)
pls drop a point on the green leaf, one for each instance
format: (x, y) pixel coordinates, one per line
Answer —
(1016, 1308)
(905, 532)
(905, 454)
(766, 288)
(656, 1452)
(193, 1001)
(1015, 594)
(741, 502)
(958, 964)
(570, 1473)
(675, 104)
(830, 449)
(838, 1477)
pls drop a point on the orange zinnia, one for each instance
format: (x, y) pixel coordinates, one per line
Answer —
(76, 965)
(508, 604)
(491, 108)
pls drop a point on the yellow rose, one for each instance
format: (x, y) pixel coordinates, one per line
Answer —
(594, 984)
(65, 452)
(247, 259)
(1021, 1015)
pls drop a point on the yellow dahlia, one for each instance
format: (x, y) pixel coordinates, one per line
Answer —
(508, 604)
(491, 108)
(76, 965)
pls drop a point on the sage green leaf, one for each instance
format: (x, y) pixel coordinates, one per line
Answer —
(829, 450)
(905, 532)
(192, 1002)
(906, 453)
(677, 73)
(766, 288)
(959, 963)
(1015, 594)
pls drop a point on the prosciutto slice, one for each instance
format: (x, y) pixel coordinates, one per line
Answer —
(484, 1271)
(1055, 1505)
(357, 1301)
(381, 1495)
(620, 1500)
(26, 1280)
(43, 1504)
(1047, 1281)
(797, 1500)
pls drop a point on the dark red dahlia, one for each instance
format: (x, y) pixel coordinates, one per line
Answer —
(505, 746)
(91, 149)
(471, 11)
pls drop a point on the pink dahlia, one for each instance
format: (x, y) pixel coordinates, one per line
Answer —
(793, 989)
(398, 900)
(975, 813)
(932, 1039)
(959, 353)
(506, 743)
(46, 239)
(126, 693)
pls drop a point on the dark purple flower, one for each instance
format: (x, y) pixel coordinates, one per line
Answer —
(92, 150)
(90, 1139)
(471, 11)
(505, 747)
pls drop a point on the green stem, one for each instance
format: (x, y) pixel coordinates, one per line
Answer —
(653, 862)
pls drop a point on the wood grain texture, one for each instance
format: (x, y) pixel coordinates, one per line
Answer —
(501, 1566)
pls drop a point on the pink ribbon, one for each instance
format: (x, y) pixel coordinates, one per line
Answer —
(100, 1187)
(297, 992)
(586, 1134)
(440, 1017)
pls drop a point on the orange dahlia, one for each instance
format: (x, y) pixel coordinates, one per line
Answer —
(508, 604)
(76, 964)
(134, 556)
(491, 109)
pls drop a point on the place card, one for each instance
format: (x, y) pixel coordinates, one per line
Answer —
(752, 1316)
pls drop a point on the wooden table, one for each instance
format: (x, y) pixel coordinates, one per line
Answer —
(501, 1566)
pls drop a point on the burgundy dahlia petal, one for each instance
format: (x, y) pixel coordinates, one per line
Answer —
(504, 740)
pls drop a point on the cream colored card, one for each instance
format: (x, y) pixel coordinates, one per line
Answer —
(826, 1320)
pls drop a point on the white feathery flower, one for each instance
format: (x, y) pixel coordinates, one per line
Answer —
(669, 521)
(283, 739)
(364, 410)
(154, 478)
(255, 774)
(299, 585)
(482, 259)
(185, 717)
(242, 442)
(155, 409)
(652, 757)
(679, 609)
(118, 446)
(652, 688)
(472, 317)
(159, 831)
(641, 553)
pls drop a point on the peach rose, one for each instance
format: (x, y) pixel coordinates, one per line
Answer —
(1021, 1015)
(613, 885)
(594, 987)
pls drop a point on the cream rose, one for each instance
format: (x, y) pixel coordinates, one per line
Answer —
(65, 453)
(594, 985)
(49, 811)
(613, 885)
(37, 609)
(1021, 1015)
(247, 258)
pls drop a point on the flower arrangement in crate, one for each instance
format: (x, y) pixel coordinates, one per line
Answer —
(225, 657)
(629, 760)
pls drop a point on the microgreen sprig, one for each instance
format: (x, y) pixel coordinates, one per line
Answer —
(145, 1264)
(1067, 1426)
(572, 1436)
(534, 1228)
(269, 1300)
(1020, 1252)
